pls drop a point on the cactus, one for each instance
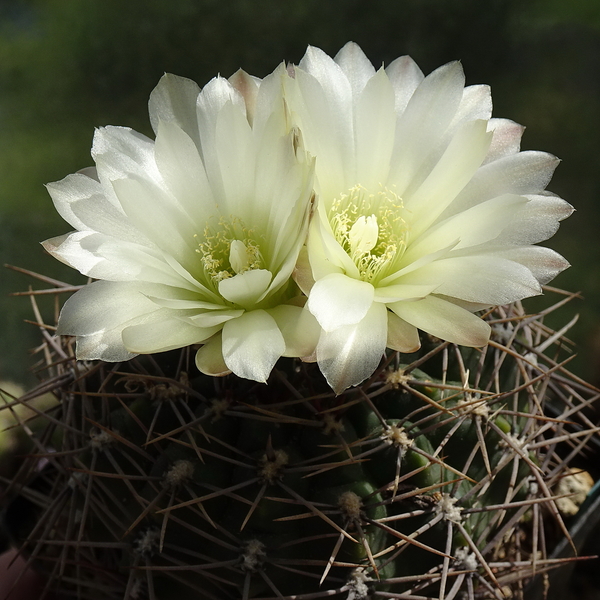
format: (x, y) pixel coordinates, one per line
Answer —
(436, 478)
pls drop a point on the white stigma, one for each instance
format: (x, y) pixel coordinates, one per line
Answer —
(239, 258)
(363, 235)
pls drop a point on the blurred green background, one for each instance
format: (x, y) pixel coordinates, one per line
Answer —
(67, 66)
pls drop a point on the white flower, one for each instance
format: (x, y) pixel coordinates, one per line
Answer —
(194, 236)
(427, 211)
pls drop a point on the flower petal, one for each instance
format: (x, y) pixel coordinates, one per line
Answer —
(423, 124)
(350, 354)
(485, 279)
(405, 77)
(103, 305)
(252, 344)
(405, 292)
(173, 100)
(401, 336)
(444, 320)
(479, 224)
(299, 328)
(337, 300)
(244, 289)
(162, 334)
(355, 65)
(209, 358)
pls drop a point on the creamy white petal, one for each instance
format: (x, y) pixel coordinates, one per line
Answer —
(105, 345)
(484, 279)
(162, 334)
(545, 264)
(444, 320)
(405, 77)
(120, 152)
(401, 336)
(173, 100)
(395, 293)
(248, 86)
(183, 172)
(350, 354)
(102, 257)
(356, 66)
(246, 288)
(476, 103)
(214, 96)
(325, 253)
(299, 328)
(209, 358)
(523, 173)
(303, 273)
(103, 305)
(212, 318)
(374, 130)
(236, 163)
(424, 121)
(252, 344)
(477, 225)
(337, 300)
(538, 220)
(506, 138)
(165, 224)
(454, 170)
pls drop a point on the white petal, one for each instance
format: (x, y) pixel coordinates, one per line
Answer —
(485, 279)
(209, 358)
(337, 300)
(538, 220)
(245, 289)
(401, 336)
(102, 257)
(252, 344)
(350, 354)
(105, 345)
(120, 152)
(355, 65)
(299, 328)
(103, 305)
(165, 224)
(248, 86)
(444, 320)
(545, 264)
(173, 100)
(476, 103)
(375, 121)
(395, 293)
(454, 170)
(424, 122)
(479, 224)
(523, 173)
(324, 251)
(303, 273)
(160, 335)
(182, 169)
(235, 157)
(506, 138)
(212, 318)
(405, 77)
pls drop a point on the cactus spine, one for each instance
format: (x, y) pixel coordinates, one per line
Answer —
(436, 478)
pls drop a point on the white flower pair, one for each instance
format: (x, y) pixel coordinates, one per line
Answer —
(393, 201)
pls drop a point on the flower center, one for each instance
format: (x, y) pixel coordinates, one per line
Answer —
(228, 249)
(371, 228)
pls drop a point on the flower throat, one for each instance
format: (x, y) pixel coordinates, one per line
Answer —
(371, 229)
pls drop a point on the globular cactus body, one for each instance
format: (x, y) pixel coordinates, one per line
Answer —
(433, 479)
